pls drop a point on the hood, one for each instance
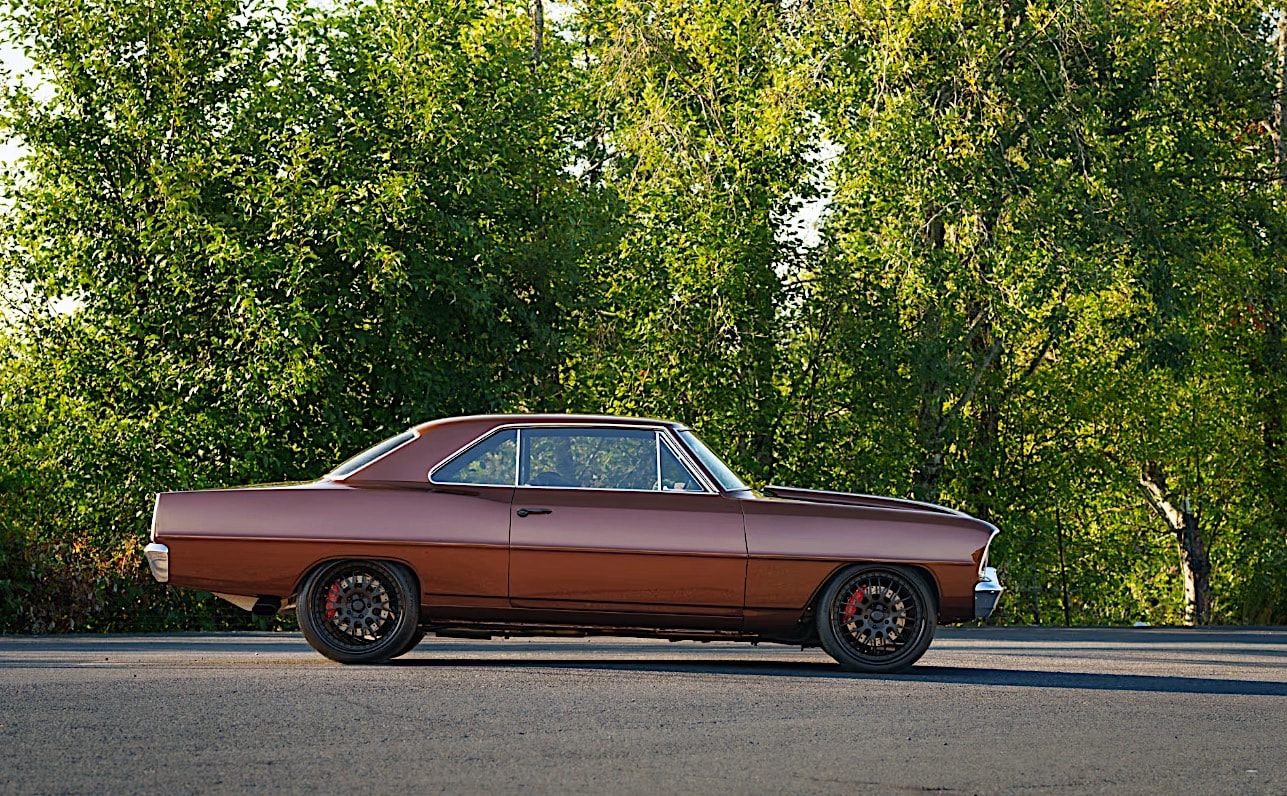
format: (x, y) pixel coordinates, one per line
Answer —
(852, 499)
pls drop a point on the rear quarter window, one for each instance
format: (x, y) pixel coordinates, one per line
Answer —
(489, 462)
(371, 454)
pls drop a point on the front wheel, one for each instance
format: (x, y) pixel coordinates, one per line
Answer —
(359, 611)
(412, 643)
(876, 619)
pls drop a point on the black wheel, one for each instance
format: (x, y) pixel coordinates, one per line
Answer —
(876, 618)
(414, 642)
(359, 611)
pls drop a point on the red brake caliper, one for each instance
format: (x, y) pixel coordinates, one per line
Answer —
(332, 601)
(851, 607)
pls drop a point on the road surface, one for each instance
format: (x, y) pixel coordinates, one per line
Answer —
(987, 710)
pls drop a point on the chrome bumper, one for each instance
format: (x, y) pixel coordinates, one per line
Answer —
(158, 560)
(986, 593)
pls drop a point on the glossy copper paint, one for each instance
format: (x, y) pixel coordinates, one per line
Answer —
(601, 550)
(615, 560)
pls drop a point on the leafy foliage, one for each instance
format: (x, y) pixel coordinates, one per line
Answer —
(246, 240)
(289, 233)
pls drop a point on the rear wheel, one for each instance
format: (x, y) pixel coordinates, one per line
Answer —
(360, 611)
(876, 619)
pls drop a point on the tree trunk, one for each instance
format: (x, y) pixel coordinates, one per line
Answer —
(930, 438)
(1184, 524)
(930, 425)
(538, 31)
(1273, 362)
(1278, 125)
(930, 422)
(986, 434)
(983, 460)
(1196, 568)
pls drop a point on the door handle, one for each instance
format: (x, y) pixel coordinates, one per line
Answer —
(525, 512)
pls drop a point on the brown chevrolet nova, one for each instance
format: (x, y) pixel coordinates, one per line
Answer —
(576, 525)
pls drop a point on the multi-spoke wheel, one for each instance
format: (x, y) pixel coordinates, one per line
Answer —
(876, 618)
(359, 611)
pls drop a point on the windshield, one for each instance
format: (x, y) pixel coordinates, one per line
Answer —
(371, 454)
(727, 480)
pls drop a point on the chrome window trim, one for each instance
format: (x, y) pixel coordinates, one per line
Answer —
(695, 472)
(656, 440)
(518, 454)
(708, 487)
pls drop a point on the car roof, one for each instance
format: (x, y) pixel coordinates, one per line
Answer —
(439, 439)
(553, 419)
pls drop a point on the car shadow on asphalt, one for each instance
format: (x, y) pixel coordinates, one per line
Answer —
(950, 675)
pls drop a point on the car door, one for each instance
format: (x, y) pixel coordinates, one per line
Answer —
(610, 520)
(468, 563)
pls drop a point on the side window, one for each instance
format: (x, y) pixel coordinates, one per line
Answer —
(371, 454)
(675, 477)
(489, 462)
(590, 458)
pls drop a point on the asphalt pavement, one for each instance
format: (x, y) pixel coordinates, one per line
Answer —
(987, 710)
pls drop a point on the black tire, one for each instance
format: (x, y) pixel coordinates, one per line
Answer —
(876, 619)
(416, 638)
(359, 611)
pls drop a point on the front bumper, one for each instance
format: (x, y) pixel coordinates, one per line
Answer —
(158, 560)
(986, 593)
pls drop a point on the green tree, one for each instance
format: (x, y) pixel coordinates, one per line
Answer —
(1009, 176)
(962, 176)
(705, 146)
(1190, 168)
(289, 231)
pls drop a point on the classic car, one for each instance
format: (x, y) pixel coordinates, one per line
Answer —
(575, 525)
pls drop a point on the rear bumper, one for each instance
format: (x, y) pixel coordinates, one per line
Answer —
(158, 560)
(987, 593)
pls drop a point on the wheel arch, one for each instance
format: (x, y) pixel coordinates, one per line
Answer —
(335, 559)
(925, 572)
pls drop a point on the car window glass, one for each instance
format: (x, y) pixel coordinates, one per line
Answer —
(590, 458)
(675, 477)
(488, 463)
(371, 454)
(726, 478)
